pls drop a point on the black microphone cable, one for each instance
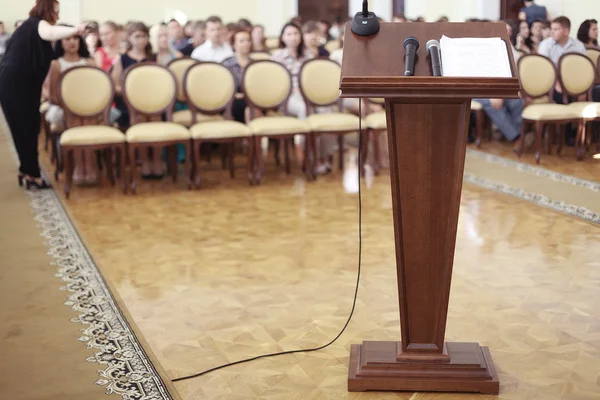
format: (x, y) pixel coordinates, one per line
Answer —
(355, 290)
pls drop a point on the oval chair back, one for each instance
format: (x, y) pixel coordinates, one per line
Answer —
(149, 90)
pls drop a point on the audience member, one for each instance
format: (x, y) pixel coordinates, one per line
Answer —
(188, 32)
(245, 24)
(443, 18)
(336, 29)
(214, 49)
(3, 39)
(292, 54)
(588, 33)
(531, 11)
(241, 43)
(313, 44)
(107, 54)
(164, 51)
(324, 27)
(228, 32)
(259, 41)
(70, 52)
(400, 18)
(198, 38)
(535, 34)
(176, 34)
(524, 42)
(560, 42)
(92, 37)
(546, 29)
(18, 23)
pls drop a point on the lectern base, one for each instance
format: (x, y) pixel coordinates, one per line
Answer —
(381, 366)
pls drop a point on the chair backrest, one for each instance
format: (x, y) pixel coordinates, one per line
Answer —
(593, 54)
(537, 75)
(320, 82)
(259, 55)
(86, 93)
(267, 84)
(149, 90)
(272, 42)
(178, 67)
(577, 74)
(209, 87)
(332, 45)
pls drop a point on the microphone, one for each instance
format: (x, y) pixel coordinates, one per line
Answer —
(365, 23)
(435, 57)
(411, 45)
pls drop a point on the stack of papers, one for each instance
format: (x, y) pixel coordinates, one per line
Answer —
(475, 57)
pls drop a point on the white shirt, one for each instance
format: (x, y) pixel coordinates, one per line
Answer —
(553, 50)
(207, 52)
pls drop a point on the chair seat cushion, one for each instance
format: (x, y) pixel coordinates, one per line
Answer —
(333, 122)
(475, 106)
(219, 130)
(549, 112)
(184, 117)
(278, 126)
(157, 132)
(377, 120)
(91, 135)
(586, 109)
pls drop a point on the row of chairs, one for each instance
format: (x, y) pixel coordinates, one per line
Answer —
(150, 92)
(577, 75)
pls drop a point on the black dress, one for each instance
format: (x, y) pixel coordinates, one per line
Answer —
(22, 73)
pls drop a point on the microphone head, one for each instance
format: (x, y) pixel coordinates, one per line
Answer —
(432, 43)
(411, 40)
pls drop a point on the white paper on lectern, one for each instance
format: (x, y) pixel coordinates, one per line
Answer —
(475, 57)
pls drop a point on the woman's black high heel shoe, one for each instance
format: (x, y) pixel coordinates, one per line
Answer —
(21, 178)
(32, 184)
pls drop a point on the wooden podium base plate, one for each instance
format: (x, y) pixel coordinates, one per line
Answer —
(381, 366)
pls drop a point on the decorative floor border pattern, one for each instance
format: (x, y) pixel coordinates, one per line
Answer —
(536, 198)
(128, 371)
(541, 172)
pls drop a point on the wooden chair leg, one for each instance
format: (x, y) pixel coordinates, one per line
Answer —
(365, 139)
(377, 151)
(250, 155)
(550, 133)
(286, 154)
(479, 127)
(172, 161)
(539, 128)
(277, 152)
(560, 137)
(133, 151)
(341, 152)
(197, 144)
(231, 156)
(68, 158)
(260, 160)
(581, 140)
(121, 160)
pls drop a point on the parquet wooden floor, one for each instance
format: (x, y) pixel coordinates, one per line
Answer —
(233, 271)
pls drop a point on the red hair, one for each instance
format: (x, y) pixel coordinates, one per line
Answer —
(44, 9)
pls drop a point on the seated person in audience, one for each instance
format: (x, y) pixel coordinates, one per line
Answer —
(324, 27)
(292, 55)
(546, 29)
(535, 34)
(70, 52)
(242, 46)
(198, 38)
(560, 42)
(443, 18)
(177, 36)
(165, 53)
(3, 39)
(524, 42)
(259, 41)
(230, 28)
(214, 49)
(187, 30)
(107, 54)
(313, 44)
(531, 11)
(245, 24)
(400, 18)
(588, 33)
(92, 38)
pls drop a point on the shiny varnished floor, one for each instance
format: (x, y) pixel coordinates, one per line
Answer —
(233, 271)
(566, 163)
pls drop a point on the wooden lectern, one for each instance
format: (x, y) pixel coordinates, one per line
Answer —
(428, 121)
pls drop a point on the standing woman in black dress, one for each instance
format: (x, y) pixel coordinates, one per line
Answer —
(22, 73)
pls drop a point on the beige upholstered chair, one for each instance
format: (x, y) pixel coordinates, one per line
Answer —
(481, 121)
(86, 94)
(268, 86)
(150, 91)
(179, 67)
(538, 78)
(376, 124)
(319, 83)
(210, 90)
(593, 54)
(332, 45)
(259, 55)
(272, 42)
(577, 75)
